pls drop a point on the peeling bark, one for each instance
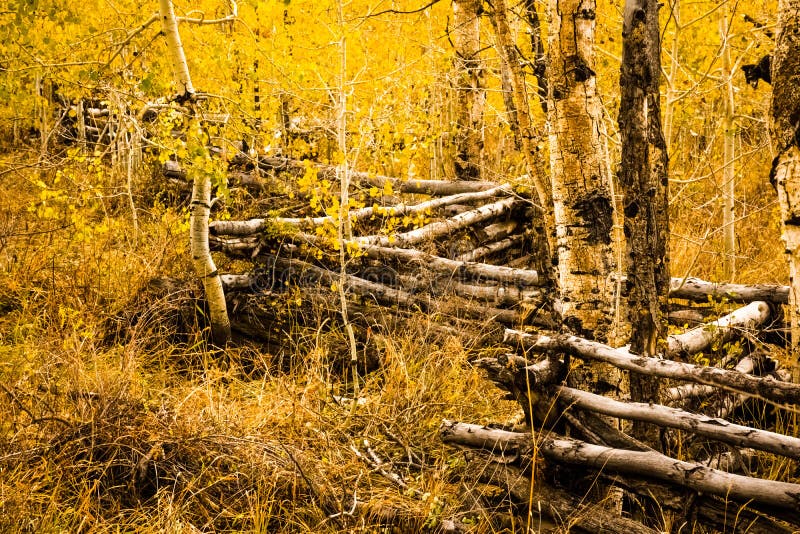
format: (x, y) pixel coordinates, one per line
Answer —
(582, 202)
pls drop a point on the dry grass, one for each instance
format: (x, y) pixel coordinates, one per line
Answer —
(118, 417)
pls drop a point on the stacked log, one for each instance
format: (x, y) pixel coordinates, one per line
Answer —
(419, 270)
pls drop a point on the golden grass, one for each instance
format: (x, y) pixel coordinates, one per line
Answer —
(117, 416)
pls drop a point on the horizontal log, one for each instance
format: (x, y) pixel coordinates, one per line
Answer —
(417, 258)
(664, 416)
(306, 274)
(700, 290)
(652, 464)
(492, 248)
(646, 464)
(719, 331)
(496, 231)
(766, 387)
(423, 187)
(687, 391)
(252, 226)
(440, 228)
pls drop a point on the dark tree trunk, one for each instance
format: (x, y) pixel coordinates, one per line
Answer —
(785, 129)
(643, 177)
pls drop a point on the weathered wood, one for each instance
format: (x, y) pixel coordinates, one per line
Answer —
(306, 274)
(701, 291)
(581, 189)
(252, 226)
(492, 248)
(652, 464)
(500, 295)
(441, 228)
(719, 331)
(664, 416)
(476, 271)
(643, 180)
(687, 391)
(470, 88)
(647, 464)
(767, 387)
(785, 173)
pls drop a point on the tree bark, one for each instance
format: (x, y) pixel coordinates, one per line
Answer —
(664, 416)
(768, 388)
(492, 248)
(583, 208)
(645, 464)
(785, 129)
(729, 149)
(470, 87)
(440, 228)
(719, 331)
(643, 177)
(539, 63)
(180, 67)
(528, 139)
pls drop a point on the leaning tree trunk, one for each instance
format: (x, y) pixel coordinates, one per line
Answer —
(527, 138)
(786, 136)
(201, 193)
(643, 177)
(470, 89)
(537, 50)
(583, 206)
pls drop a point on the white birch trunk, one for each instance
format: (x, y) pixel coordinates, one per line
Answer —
(201, 195)
(169, 25)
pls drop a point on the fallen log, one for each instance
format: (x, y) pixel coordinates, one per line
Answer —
(476, 271)
(303, 273)
(499, 295)
(423, 187)
(496, 231)
(645, 464)
(766, 387)
(700, 290)
(440, 228)
(306, 274)
(492, 248)
(687, 391)
(664, 416)
(252, 226)
(719, 331)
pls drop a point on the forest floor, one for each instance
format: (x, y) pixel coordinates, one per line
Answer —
(117, 416)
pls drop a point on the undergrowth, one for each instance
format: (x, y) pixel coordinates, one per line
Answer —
(118, 417)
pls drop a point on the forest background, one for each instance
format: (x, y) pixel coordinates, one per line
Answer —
(83, 234)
